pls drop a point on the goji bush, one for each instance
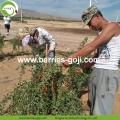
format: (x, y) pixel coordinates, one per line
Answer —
(49, 92)
(1, 43)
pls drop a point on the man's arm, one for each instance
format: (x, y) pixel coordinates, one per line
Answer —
(51, 40)
(3, 18)
(108, 32)
(9, 19)
(89, 64)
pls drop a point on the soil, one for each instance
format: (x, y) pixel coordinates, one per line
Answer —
(68, 36)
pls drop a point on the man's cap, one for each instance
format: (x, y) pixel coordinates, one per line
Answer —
(32, 30)
(22, 32)
(88, 14)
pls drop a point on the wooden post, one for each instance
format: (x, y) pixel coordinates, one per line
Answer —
(46, 50)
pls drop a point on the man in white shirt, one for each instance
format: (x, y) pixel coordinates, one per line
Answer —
(104, 79)
(7, 21)
(37, 37)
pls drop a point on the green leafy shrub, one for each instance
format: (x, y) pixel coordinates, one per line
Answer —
(1, 43)
(15, 44)
(49, 92)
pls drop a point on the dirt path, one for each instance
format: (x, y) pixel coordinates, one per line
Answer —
(68, 37)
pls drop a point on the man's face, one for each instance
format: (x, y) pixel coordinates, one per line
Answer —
(35, 41)
(93, 24)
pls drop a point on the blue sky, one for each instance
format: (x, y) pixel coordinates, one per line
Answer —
(71, 8)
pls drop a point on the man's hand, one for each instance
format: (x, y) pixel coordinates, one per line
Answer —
(66, 62)
(49, 51)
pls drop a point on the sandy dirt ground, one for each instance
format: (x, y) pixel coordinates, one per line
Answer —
(68, 37)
